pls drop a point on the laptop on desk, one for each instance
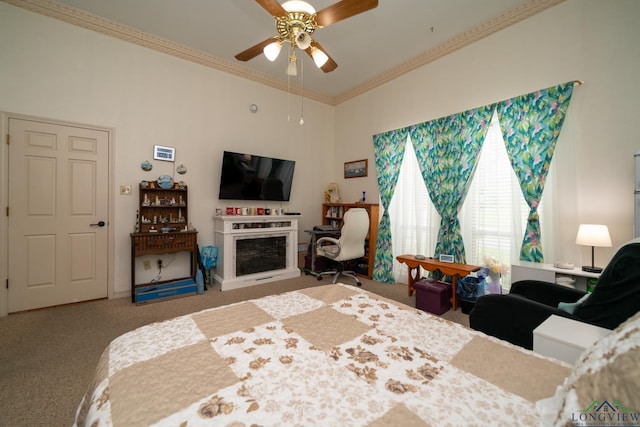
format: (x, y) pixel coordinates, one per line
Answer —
(327, 228)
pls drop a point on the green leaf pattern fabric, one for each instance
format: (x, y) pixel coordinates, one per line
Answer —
(530, 126)
(389, 152)
(447, 150)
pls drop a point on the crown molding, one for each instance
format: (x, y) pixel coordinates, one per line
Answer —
(95, 23)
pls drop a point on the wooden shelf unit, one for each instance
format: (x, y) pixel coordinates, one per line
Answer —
(523, 270)
(333, 214)
(162, 208)
(161, 229)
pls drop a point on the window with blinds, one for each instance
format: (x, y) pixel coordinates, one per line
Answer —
(494, 215)
(492, 218)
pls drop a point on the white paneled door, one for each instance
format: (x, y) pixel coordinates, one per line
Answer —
(58, 210)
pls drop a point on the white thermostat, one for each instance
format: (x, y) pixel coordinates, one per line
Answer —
(446, 258)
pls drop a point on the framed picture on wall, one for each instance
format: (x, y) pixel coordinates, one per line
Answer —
(356, 169)
(168, 154)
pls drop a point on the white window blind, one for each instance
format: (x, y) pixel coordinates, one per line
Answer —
(494, 214)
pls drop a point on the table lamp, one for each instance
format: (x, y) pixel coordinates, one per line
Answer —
(593, 235)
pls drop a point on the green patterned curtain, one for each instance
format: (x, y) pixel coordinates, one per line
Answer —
(389, 152)
(530, 127)
(447, 149)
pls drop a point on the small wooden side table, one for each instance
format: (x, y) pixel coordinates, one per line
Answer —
(164, 243)
(453, 269)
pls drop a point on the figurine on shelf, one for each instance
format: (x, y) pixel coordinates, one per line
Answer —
(334, 195)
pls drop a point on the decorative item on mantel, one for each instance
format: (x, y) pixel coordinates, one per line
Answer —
(496, 270)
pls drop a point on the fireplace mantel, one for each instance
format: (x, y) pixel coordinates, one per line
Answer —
(265, 229)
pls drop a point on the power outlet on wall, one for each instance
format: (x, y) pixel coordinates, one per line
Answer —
(147, 264)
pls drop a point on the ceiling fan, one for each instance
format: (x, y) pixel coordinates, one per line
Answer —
(296, 21)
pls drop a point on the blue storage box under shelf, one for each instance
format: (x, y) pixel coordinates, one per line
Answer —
(160, 291)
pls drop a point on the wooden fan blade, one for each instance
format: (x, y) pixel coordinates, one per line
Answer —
(254, 51)
(328, 66)
(273, 7)
(342, 10)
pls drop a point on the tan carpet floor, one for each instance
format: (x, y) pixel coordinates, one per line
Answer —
(48, 356)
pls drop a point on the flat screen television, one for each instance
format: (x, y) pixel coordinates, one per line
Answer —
(251, 177)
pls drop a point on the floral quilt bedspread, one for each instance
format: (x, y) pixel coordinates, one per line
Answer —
(328, 355)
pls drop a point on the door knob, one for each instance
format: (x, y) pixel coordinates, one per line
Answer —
(99, 224)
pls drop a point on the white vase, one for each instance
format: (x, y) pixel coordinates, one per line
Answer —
(494, 283)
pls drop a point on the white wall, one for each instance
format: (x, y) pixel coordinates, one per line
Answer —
(52, 69)
(55, 70)
(588, 40)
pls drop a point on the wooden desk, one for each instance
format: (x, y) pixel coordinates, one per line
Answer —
(158, 244)
(315, 235)
(452, 269)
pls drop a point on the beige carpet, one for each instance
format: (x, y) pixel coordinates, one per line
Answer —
(48, 356)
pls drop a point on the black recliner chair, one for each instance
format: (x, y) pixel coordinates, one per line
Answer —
(514, 316)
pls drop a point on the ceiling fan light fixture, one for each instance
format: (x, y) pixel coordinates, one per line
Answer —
(319, 57)
(272, 50)
(298, 6)
(303, 40)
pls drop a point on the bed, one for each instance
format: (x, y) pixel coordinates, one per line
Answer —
(326, 355)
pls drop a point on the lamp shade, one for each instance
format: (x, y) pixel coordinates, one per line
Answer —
(319, 57)
(593, 235)
(303, 40)
(272, 50)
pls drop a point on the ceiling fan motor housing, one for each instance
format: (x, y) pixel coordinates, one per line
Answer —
(294, 24)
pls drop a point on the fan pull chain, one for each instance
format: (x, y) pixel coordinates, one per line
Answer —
(301, 91)
(288, 98)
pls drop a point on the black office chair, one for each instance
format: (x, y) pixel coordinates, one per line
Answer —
(514, 316)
